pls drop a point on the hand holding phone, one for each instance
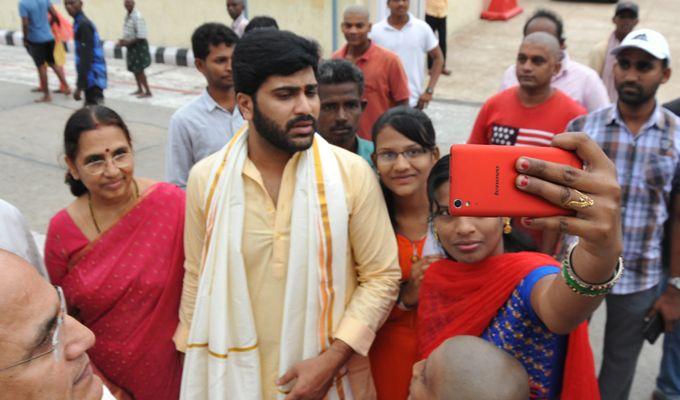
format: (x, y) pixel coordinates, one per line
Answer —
(593, 193)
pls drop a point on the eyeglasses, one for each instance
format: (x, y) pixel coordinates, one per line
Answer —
(55, 344)
(121, 161)
(389, 157)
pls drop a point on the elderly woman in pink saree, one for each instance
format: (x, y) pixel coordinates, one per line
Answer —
(117, 252)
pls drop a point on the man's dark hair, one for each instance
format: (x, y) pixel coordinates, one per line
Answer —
(261, 22)
(266, 52)
(335, 72)
(212, 33)
(547, 14)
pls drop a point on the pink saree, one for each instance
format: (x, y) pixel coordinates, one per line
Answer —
(126, 286)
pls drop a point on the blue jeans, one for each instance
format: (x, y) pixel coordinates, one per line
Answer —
(668, 381)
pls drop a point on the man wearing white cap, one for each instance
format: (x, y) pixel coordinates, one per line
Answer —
(643, 140)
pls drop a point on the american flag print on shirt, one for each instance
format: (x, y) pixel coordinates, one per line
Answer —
(511, 136)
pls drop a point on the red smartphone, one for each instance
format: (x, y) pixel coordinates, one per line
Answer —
(483, 181)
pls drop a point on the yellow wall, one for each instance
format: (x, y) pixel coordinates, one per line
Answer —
(171, 22)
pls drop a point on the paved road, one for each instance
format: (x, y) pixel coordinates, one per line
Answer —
(31, 161)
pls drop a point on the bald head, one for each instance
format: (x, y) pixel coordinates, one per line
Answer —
(469, 368)
(548, 41)
(355, 27)
(19, 281)
(358, 10)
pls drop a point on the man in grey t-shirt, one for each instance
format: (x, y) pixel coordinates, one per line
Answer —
(206, 124)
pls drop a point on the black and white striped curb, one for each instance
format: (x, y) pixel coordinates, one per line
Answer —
(159, 54)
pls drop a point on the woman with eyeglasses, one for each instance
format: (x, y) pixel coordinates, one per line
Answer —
(117, 252)
(525, 303)
(405, 151)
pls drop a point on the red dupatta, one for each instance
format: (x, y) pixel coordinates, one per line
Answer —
(126, 287)
(462, 299)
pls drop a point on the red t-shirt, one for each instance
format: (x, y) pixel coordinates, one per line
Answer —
(504, 120)
(385, 83)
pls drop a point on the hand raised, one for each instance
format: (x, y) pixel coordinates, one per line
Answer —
(593, 193)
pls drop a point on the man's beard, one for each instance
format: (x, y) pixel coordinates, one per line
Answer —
(640, 96)
(278, 137)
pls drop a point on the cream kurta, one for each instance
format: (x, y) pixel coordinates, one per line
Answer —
(372, 267)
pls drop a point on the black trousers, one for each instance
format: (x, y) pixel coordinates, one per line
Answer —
(438, 26)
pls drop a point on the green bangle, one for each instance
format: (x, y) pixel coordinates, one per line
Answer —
(576, 287)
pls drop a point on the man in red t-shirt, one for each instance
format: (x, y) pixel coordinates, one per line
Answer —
(530, 114)
(386, 84)
(533, 112)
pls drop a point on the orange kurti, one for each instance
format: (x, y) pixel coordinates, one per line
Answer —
(394, 350)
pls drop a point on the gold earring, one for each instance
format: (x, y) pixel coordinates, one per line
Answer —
(507, 228)
(436, 235)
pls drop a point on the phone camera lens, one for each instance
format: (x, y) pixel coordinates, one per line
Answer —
(458, 203)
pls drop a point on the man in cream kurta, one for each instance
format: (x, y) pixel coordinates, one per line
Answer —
(372, 272)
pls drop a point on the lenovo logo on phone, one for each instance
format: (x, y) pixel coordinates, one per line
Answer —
(483, 181)
(497, 190)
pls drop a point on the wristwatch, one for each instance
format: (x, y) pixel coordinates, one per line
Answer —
(675, 282)
(429, 90)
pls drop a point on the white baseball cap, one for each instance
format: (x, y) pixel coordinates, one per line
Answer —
(648, 40)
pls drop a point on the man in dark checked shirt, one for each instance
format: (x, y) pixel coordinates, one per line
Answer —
(643, 140)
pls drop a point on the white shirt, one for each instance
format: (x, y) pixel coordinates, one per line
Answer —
(411, 43)
(577, 81)
(239, 24)
(197, 130)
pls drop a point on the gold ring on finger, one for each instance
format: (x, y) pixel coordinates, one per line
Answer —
(581, 201)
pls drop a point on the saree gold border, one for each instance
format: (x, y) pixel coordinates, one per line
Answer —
(328, 281)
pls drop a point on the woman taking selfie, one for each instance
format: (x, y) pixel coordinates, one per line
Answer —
(117, 252)
(405, 151)
(524, 303)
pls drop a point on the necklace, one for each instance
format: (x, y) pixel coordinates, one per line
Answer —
(89, 203)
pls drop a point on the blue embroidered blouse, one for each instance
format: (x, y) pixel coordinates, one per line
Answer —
(517, 330)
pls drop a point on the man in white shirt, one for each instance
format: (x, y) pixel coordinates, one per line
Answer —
(42, 348)
(412, 39)
(235, 10)
(206, 124)
(578, 81)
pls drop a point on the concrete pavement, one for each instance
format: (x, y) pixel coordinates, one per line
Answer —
(479, 54)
